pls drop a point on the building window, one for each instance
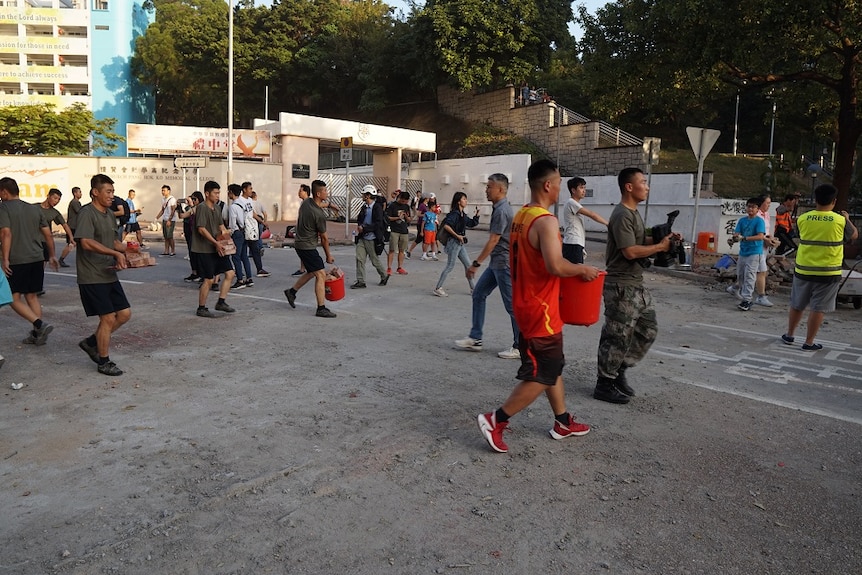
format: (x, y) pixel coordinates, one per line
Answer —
(100, 5)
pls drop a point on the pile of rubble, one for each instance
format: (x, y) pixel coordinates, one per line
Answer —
(723, 268)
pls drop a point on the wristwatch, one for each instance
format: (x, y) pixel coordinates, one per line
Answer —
(476, 264)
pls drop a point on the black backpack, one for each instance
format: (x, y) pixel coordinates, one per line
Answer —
(121, 203)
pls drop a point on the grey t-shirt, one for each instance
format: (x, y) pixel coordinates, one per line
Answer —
(501, 223)
(72, 213)
(52, 215)
(93, 268)
(210, 219)
(25, 221)
(310, 222)
(625, 229)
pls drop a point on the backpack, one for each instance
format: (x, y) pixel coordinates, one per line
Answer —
(443, 234)
(251, 230)
(121, 203)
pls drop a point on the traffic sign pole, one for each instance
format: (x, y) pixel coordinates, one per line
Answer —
(702, 140)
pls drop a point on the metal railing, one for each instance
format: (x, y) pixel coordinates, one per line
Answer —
(609, 135)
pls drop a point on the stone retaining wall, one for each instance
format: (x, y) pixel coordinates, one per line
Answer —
(578, 144)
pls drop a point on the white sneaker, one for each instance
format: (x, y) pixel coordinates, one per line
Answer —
(763, 300)
(440, 293)
(511, 353)
(469, 343)
(435, 258)
(424, 258)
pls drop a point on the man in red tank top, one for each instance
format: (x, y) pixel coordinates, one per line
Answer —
(537, 264)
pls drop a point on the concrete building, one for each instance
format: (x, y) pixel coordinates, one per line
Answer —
(68, 51)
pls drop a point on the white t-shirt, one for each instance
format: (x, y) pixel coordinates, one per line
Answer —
(236, 213)
(573, 224)
(168, 204)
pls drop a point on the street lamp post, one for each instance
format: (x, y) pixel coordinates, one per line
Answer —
(230, 94)
(772, 129)
(736, 125)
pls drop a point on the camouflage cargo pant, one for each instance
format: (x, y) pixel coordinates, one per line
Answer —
(630, 328)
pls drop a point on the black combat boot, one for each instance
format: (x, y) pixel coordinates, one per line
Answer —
(622, 384)
(606, 390)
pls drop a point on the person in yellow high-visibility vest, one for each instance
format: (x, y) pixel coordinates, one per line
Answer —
(822, 235)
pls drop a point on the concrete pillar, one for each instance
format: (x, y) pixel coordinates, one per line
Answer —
(388, 164)
(297, 153)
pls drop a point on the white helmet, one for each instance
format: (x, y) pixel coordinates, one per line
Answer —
(369, 189)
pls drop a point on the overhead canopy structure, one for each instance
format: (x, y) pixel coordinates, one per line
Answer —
(301, 137)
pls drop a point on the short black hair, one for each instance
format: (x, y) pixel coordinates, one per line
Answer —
(755, 201)
(246, 185)
(99, 180)
(575, 182)
(317, 185)
(10, 185)
(55, 192)
(625, 176)
(539, 171)
(404, 196)
(825, 194)
(234, 189)
(210, 185)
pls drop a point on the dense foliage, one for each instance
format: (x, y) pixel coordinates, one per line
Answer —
(40, 129)
(650, 66)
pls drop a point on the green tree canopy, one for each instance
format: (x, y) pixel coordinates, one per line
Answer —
(39, 129)
(482, 43)
(665, 59)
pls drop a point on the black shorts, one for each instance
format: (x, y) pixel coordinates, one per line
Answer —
(103, 299)
(312, 260)
(69, 238)
(542, 358)
(209, 266)
(574, 253)
(133, 227)
(27, 278)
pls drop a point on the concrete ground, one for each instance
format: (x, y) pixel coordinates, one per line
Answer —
(272, 441)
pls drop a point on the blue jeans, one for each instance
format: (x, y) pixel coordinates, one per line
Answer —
(240, 258)
(488, 281)
(455, 250)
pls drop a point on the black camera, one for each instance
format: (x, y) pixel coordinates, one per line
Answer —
(676, 252)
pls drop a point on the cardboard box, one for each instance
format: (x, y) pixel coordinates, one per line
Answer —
(137, 259)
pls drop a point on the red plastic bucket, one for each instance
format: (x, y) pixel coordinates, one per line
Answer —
(335, 288)
(581, 301)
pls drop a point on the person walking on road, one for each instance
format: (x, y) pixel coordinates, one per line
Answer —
(24, 234)
(822, 235)
(574, 234)
(369, 235)
(311, 227)
(630, 321)
(168, 215)
(498, 273)
(456, 223)
(100, 255)
(209, 257)
(537, 263)
(398, 215)
(72, 220)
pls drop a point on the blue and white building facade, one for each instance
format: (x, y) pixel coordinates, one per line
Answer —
(67, 51)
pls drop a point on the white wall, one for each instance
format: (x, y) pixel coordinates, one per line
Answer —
(36, 174)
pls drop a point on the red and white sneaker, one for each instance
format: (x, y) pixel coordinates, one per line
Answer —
(493, 431)
(573, 428)
(402, 271)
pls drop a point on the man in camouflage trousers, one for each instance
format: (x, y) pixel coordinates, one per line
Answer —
(630, 321)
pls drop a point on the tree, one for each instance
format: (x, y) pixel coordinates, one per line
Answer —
(481, 43)
(39, 129)
(665, 57)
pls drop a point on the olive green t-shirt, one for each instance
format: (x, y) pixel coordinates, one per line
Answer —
(52, 215)
(625, 229)
(94, 268)
(25, 221)
(210, 219)
(310, 222)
